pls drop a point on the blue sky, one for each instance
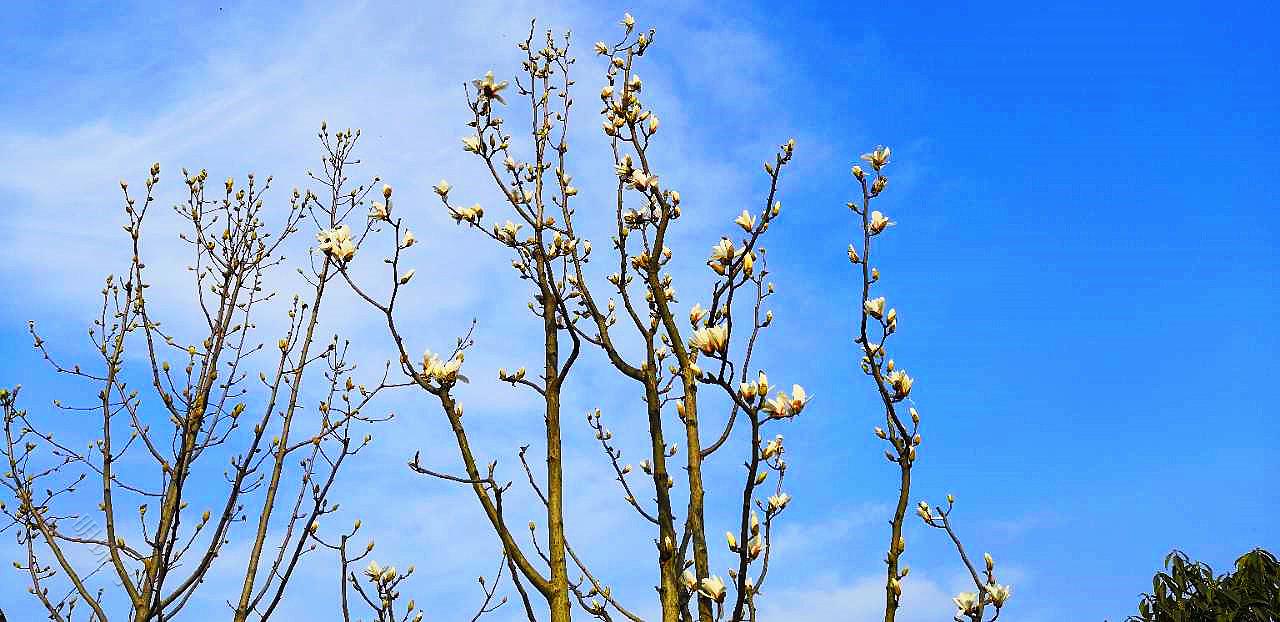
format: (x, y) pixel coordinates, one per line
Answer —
(1085, 263)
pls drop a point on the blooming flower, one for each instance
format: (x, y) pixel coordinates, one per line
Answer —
(696, 314)
(507, 232)
(472, 144)
(798, 399)
(901, 382)
(713, 588)
(488, 89)
(778, 501)
(779, 407)
(471, 214)
(999, 593)
(746, 221)
(878, 222)
(711, 340)
(408, 240)
(337, 243)
(877, 158)
(378, 211)
(874, 307)
(443, 371)
(642, 181)
(443, 188)
(966, 602)
(772, 448)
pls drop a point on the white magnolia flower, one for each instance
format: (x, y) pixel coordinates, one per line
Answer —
(408, 240)
(713, 588)
(966, 602)
(778, 501)
(689, 580)
(999, 593)
(878, 222)
(877, 158)
(711, 340)
(779, 407)
(471, 214)
(772, 448)
(443, 371)
(507, 232)
(798, 399)
(443, 188)
(696, 314)
(874, 307)
(337, 243)
(488, 89)
(746, 221)
(643, 181)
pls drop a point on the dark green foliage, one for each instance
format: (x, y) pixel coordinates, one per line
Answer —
(1188, 591)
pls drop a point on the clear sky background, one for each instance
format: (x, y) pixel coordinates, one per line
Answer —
(1086, 261)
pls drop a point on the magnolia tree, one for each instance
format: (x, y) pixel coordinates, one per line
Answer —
(199, 437)
(690, 366)
(876, 325)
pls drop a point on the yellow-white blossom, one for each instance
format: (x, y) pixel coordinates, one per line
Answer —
(408, 240)
(443, 371)
(877, 158)
(643, 181)
(601, 48)
(697, 313)
(507, 232)
(378, 211)
(404, 278)
(746, 221)
(337, 243)
(999, 593)
(878, 222)
(713, 588)
(966, 602)
(471, 214)
(798, 399)
(874, 307)
(711, 340)
(732, 540)
(772, 448)
(778, 501)
(901, 382)
(689, 580)
(472, 144)
(443, 188)
(488, 89)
